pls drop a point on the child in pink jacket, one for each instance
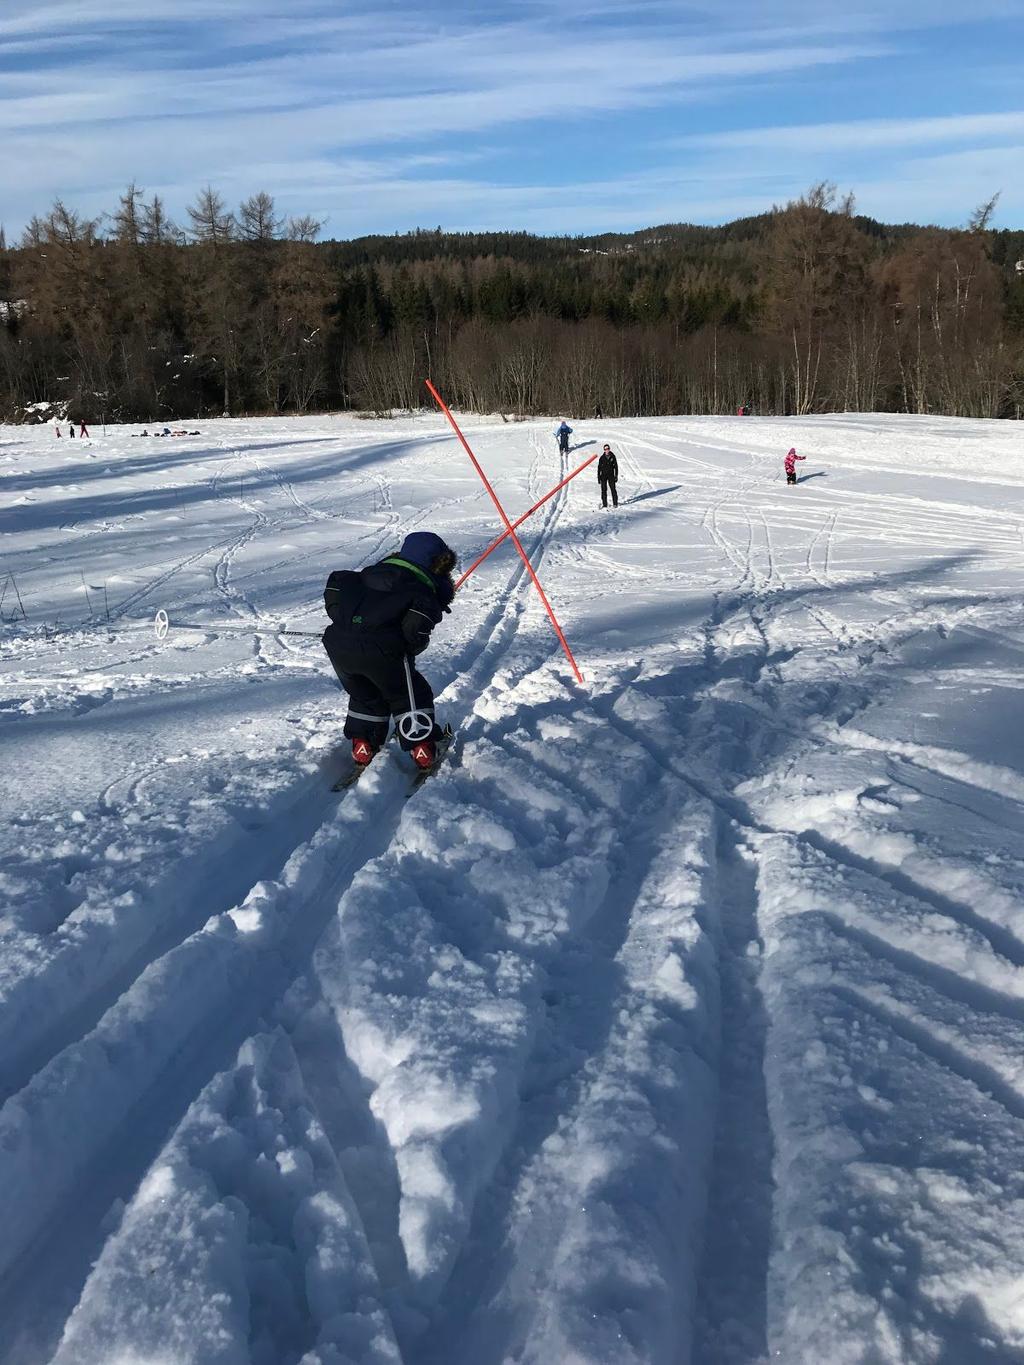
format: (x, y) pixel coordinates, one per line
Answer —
(790, 462)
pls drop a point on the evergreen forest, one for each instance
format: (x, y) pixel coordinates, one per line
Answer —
(810, 307)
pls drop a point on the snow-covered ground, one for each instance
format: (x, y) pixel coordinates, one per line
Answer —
(679, 1018)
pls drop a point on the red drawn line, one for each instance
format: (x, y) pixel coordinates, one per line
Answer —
(509, 528)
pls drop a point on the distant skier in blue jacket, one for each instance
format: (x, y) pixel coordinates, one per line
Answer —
(562, 435)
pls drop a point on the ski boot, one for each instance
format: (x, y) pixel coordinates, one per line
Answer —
(362, 752)
(424, 754)
(362, 755)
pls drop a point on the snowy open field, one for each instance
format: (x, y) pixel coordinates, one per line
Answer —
(679, 1018)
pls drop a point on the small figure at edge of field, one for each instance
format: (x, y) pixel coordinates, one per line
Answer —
(381, 617)
(85, 432)
(743, 410)
(56, 427)
(562, 435)
(71, 430)
(790, 463)
(608, 476)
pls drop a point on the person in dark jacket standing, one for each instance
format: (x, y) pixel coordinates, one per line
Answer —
(381, 617)
(562, 435)
(608, 476)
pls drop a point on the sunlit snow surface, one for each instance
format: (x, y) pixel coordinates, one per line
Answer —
(680, 1017)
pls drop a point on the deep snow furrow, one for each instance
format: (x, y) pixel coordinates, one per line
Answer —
(731, 1309)
(341, 1097)
(973, 989)
(985, 1047)
(87, 973)
(126, 1083)
(250, 1190)
(730, 1320)
(1003, 942)
(956, 1056)
(583, 991)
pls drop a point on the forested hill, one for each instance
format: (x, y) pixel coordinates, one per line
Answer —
(664, 239)
(807, 308)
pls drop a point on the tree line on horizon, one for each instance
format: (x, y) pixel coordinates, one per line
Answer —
(804, 309)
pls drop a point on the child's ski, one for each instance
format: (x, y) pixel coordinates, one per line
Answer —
(350, 778)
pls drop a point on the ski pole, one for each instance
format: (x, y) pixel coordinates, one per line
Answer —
(415, 724)
(162, 624)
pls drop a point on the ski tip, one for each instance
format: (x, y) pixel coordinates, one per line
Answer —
(350, 778)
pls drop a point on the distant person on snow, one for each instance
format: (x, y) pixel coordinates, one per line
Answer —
(380, 618)
(71, 430)
(562, 435)
(790, 463)
(608, 476)
(57, 429)
(84, 431)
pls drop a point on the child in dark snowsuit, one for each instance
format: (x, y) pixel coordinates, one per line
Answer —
(790, 463)
(608, 476)
(381, 617)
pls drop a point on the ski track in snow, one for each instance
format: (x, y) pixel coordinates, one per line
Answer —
(678, 1018)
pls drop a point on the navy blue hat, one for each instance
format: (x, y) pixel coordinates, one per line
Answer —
(422, 548)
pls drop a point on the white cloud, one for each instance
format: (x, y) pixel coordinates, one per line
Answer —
(28, 16)
(865, 134)
(947, 188)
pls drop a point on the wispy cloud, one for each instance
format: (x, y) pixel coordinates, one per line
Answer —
(865, 134)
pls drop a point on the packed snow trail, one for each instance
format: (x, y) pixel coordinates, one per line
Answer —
(677, 1018)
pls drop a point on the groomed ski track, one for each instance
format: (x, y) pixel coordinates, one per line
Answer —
(678, 1018)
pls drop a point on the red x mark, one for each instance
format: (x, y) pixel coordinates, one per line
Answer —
(510, 529)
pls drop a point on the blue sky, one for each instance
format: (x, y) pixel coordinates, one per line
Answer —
(577, 116)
